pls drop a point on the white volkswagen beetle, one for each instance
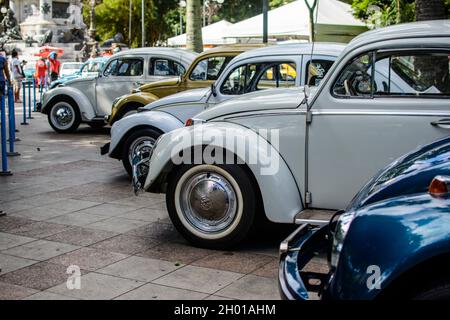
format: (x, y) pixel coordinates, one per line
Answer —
(387, 94)
(90, 99)
(281, 66)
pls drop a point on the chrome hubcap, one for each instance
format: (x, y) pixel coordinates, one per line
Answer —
(208, 202)
(62, 115)
(141, 147)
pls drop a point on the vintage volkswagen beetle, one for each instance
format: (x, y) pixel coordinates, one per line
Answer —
(392, 241)
(137, 133)
(205, 69)
(89, 99)
(387, 93)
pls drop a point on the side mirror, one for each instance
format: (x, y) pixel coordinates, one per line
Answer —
(213, 90)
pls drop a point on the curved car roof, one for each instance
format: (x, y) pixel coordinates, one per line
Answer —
(185, 55)
(424, 29)
(325, 48)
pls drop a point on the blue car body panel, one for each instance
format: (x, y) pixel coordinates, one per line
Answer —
(394, 235)
(397, 226)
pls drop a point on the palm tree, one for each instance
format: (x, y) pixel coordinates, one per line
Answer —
(194, 25)
(430, 10)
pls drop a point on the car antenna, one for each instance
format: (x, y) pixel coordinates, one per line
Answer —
(311, 9)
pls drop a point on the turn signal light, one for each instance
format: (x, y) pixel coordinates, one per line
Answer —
(439, 186)
(189, 122)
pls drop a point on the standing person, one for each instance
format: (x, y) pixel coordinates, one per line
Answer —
(4, 74)
(17, 76)
(55, 65)
(41, 73)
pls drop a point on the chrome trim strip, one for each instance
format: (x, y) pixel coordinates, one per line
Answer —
(382, 113)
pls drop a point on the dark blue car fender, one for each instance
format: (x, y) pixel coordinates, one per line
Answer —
(391, 237)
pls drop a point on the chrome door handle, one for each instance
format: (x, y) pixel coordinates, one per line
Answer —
(137, 83)
(441, 123)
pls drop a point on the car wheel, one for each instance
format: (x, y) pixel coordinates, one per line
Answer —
(64, 116)
(212, 206)
(437, 292)
(128, 110)
(141, 141)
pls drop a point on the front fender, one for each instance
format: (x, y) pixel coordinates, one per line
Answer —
(121, 129)
(142, 98)
(394, 236)
(87, 110)
(280, 194)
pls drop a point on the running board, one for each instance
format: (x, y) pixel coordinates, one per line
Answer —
(316, 217)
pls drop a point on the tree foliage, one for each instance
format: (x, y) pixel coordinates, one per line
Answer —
(386, 12)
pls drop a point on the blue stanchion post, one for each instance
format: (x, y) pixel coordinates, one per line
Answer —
(11, 123)
(29, 100)
(24, 104)
(34, 94)
(5, 171)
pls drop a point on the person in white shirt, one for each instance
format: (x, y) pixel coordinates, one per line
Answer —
(17, 75)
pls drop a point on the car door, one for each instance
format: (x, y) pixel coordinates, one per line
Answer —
(206, 71)
(161, 68)
(119, 77)
(378, 106)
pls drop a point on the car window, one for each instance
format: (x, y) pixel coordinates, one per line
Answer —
(412, 74)
(277, 75)
(209, 68)
(317, 71)
(111, 68)
(165, 67)
(130, 67)
(355, 78)
(240, 80)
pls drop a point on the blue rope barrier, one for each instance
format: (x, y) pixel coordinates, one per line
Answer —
(29, 100)
(11, 123)
(24, 104)
(5, 171)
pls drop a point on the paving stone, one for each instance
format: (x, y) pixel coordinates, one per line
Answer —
(8, 240)
(138, 268)
(39, 276)
(199, 279)
(40, 250)
(45, 295)
(253, 288)
(176, 253)
(10, 263)
(98, 286)
(39, 213)
(139, 202)
(108, 209)
(146, 214)
(126, 244)
(14, 206)
(77, 219)
(214, 297)
(119, 225)
(152, 291)
(233, 261)
(269, 270)
(82, 236)
(12, 222)
(88, 258)
(12, 292)
(72, 205)
(162, 232)
(39, 229)
(103, 196)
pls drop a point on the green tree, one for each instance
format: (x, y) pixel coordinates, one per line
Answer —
(112, 17)
(194, 40)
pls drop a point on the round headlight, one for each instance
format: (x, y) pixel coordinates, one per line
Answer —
(342, 227)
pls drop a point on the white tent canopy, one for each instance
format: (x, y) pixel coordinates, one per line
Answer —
(212, 35)
(334, 18)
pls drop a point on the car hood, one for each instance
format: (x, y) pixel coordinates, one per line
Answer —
(161, 83)
(256, 101)
(194, 95)
(410, 174)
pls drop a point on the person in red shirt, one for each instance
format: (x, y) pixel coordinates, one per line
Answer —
(55, 65)
(41, 73)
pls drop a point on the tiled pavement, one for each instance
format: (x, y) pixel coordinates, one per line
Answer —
(66, 205)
